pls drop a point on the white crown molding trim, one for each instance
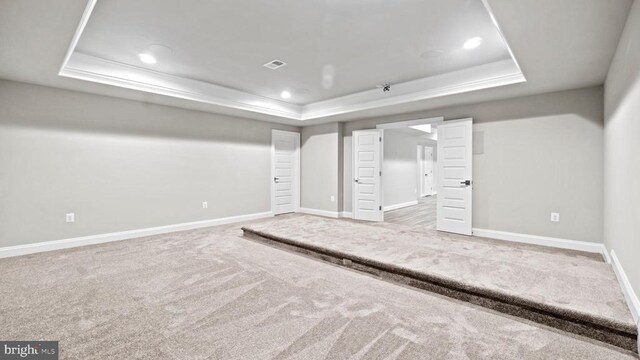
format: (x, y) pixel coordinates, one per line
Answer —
(90, 68)
(544, 241)
(88, 10)
(504, 38)
(19, 250)
(627, 289)
(325, 213)
(480, 77)
(401, 205)
(85, 67)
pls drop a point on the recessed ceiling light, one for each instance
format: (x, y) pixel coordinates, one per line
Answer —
(472, 43)
(285, 94)
(147, 58)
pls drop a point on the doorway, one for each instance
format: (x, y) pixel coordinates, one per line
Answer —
(432, 189)
(285, 172)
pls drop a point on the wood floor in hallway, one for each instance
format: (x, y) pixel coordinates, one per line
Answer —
(423, 214)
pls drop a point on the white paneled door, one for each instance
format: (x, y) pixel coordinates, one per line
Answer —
(427, 176)
(285, 171)
(455, 176)
(367, 187)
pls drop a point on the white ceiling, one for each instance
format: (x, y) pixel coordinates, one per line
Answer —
(558, 44)
(358, 44)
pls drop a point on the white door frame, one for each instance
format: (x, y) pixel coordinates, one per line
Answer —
(424, 170)
(420, 171)
(404, 124)
(296, 183)
(442, 224)
(392, 125)
(353, 173)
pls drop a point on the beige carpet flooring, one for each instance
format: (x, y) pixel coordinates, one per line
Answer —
(570, 284)
(210, 294)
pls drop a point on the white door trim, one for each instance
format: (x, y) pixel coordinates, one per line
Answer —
(460, 220)
(420, 171)
(296, 183)
(354, 163)
(404, 124)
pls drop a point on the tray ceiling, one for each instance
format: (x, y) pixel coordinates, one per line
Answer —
(337, 53)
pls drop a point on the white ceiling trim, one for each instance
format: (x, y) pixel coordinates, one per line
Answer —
(405, 124)
(85, 67)
(91, 68)
(475, 78)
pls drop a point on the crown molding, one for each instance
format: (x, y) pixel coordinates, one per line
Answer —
(86, 67)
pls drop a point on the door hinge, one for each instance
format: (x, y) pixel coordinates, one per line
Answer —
(380, 207)
(380, 173)
(380, 138)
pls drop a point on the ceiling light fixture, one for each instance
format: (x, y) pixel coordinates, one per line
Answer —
(472, 43)
(285, 94)
(147, 58)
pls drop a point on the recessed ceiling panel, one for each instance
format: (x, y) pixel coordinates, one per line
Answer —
(333, 50)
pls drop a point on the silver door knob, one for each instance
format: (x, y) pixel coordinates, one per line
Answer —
(356, 180)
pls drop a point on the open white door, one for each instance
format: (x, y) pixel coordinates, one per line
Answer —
(455, 160)
(285, 170)
(427, 178)
(367, 185)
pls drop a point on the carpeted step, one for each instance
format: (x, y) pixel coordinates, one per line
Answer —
(568, 290)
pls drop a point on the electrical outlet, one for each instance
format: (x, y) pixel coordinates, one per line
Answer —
(205, 205)
(333, 198)
(71, 217)
(555, 217)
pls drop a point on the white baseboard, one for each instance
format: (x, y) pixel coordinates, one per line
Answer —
(545, 241)
(401, 205)
(346, 214)
(18, 250)
(325, 213)
(629, 294)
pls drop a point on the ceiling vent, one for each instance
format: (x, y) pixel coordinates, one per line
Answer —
(275, 64)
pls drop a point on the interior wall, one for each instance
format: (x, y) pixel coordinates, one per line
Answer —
(434, 148)
(532, 156)
(399, 168)
(320, 168)
(622, 151)
(121, 165)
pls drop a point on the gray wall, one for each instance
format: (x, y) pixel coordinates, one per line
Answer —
(400, 168)
(321, 167)
(539, 154)
(622, 151)
(121, 165)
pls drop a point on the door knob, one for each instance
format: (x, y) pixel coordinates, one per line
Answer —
(466, 183)
(356, 180)
(275, 179)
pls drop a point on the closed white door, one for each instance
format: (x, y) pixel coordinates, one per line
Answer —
(455, 176)
(367, 161)
(427, 176)
(285, 165)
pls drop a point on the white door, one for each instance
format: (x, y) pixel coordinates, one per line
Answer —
(285, 165)
(455, 176)
(427, 176)
(367, 187)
